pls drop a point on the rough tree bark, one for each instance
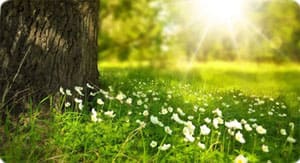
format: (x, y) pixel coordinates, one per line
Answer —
(45, 44)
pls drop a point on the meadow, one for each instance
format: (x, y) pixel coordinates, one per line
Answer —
(209, 112)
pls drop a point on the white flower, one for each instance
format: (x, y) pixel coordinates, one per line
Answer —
(155, 98)
(1, 161)
(265, 148)
(283, 132)
(202, 110)
(164, 147)
(68, 92)
(180, 112)
(120, 96)
(243, 121)
(129, 101)
(67, 104)
(201, 145)
(77, 100)
(239, 137)
(79, 90)
(207, 120)
(248, 127)
(94, 116)
(146, 106)
(195, 109)
(291, 140)
(188, 131)
(188, 135)
(89, 86)
(234, 125)
(93, 93)
(155, 121)
(145, 113)
(230, 132)
(100, 102)
(216, 123)
(164, 111)
(168, 130)
(153, 144)
(170, 109)
(261, 130)
(61, 90)
(142, 123)
(254, 125)
(139, 102)
(110, 114)
(240, 159)
(80, 106)
(176, 118)
(217, 112)
(252, 120)
(204, 130)
(190, 117)
(292, 125)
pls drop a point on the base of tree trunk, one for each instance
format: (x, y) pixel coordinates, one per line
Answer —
(45, 44)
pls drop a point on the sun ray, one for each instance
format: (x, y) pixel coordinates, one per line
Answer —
(199, 45)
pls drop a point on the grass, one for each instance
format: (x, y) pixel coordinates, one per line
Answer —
(136, 130)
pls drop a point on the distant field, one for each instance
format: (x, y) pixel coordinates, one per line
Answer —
(263, 79)
(258, 78)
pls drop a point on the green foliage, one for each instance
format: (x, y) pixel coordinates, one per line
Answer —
(159, 30)
(131, 30)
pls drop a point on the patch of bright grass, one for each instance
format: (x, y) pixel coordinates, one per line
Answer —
(209, 113)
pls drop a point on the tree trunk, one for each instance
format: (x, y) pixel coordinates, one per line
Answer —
(45, 44)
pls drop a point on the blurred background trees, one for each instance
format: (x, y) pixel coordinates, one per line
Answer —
(168, 30)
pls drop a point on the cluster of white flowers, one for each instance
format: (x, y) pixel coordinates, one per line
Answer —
(212, 125)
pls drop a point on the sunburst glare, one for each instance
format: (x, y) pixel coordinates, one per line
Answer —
(217, 11)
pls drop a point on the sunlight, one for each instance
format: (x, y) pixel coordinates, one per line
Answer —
(218, 11)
